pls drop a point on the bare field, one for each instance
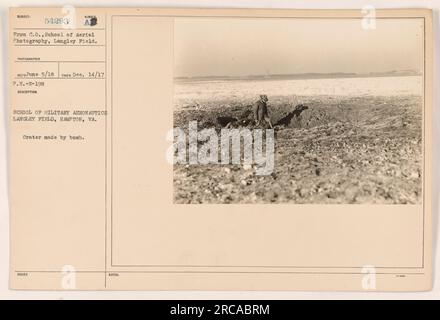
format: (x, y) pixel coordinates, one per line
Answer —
(352, 148)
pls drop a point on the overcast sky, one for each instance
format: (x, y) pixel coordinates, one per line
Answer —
(239, 47)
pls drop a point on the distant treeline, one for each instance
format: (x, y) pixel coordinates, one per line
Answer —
(302, 76)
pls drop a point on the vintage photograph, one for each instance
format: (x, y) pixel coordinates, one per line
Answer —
(298, 110)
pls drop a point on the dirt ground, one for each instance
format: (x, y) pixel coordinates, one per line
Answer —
(341, 149)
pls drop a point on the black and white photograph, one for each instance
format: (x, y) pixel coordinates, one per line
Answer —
(322, 111)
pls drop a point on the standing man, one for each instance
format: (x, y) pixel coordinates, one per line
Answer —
(261, 112)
